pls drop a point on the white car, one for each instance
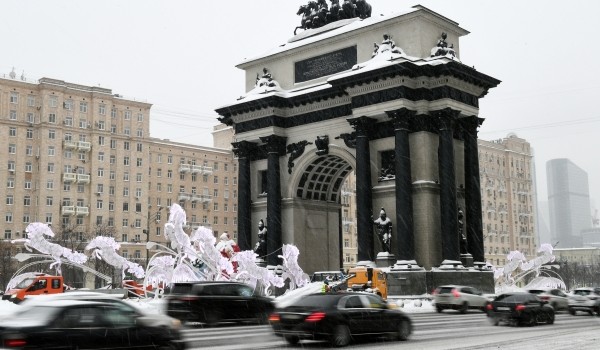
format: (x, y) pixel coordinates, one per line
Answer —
(585, 299)
(152, 319)
(554, 296)
(461, 298)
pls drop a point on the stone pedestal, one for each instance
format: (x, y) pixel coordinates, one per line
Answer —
(385, 259)
(366, 263)
(260, 262)
(467, 260)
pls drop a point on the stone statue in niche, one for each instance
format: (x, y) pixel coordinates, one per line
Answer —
(266, 80)
(322, 143)
(261, 245)
(461, 233)
(384, 231)
(388, 166)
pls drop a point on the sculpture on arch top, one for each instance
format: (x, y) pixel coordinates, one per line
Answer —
(107, 249)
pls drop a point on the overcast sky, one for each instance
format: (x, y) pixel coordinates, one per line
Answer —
(181, 56)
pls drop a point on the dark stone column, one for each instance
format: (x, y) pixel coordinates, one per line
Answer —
(405, 239)
(473, 190)
(448, 206)
(244, 151)
(275, 148)
(364, 196)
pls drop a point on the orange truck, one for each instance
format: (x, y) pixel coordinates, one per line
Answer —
(37, 285)
(368, 279)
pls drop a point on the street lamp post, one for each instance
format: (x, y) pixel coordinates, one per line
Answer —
(149, 218)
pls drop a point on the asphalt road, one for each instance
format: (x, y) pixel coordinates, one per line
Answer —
(432, 331)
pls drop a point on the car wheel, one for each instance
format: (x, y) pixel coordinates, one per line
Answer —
(439, 309)
(494, 320)
(403, 330)
(211, 318)
(464, 308)
(572, 311)
(169, 346)
(550, 318)
(291, 339)
(554, 305)
(531, 320)
(341, 336)
(591, 312)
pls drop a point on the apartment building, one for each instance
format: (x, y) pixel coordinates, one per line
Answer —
(507, 198)
(81, 159)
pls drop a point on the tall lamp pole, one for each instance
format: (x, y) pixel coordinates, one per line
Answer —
(149, 218)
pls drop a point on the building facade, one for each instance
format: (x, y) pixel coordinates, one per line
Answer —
(507, 198)
(81, 159)
(568, 202)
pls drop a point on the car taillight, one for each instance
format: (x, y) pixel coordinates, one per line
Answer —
(187, 298)
(274, 318)
(315, 317)
(434, 292)
(520, 307)
(489, 307)
(545, 297)
(14, 343)
(455, 293)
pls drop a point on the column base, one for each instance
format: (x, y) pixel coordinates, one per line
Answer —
(451, 265)
(366, 263)
(467, 260)
(406, 265)
(385, 259)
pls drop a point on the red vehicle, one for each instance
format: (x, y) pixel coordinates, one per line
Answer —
(40, 284)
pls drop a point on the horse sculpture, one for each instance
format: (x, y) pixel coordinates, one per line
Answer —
(218, 267)
(291, 269)
(251, 274)
(107, 249)
(180, 241)
(306, 21)
(36, 232)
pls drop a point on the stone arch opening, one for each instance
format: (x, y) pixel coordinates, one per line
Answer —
(322, 179)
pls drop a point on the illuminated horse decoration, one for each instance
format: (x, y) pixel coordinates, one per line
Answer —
(505, 274)
(107, 249)
(36, 240)
(216, 266)
(252, 274)
(291, 269)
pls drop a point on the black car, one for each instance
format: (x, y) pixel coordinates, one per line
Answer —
(520, 308)
(339, 317)
(214, 302)
(69, 324)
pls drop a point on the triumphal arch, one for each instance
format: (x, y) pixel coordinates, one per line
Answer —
(386, 96)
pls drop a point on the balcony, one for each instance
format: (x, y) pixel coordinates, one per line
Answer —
(69, 177)
(68, 210)
(83, 178)
(202, 198)
(83, 211)
(69, 144)
(184, 197)
(185, 168)
(84, 146)
(201, 169)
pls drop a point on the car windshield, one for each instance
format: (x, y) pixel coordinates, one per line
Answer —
(25, 283)
(583, 292)
(513, 298)
(39, 314)
(536, 291)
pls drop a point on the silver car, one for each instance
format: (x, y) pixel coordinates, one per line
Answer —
(585, 299)
(554, 296)
(461, 298)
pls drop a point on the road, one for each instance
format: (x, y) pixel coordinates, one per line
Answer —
(432, 331)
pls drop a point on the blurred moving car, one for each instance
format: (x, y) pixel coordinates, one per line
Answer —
(71, 324)
(585, 299)
(214, 302)
(339, 317)
(554, 296)
(461, 298)
(520, 308)
(155, 320)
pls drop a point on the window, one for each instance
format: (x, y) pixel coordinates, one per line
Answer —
(12, 148)
(101, 141)
(49, 201)
(29, 134)
(30, 118)
(83, 107)
(14, 97)
(10, 182)
(51, 151)
(140, 117)
(68, 104)
(12, 115)
(30, 101)
(102, 109)
(53, 101)
(68, 121)
(12, 132)
(10, 200)
(127, 115)
(113, 112)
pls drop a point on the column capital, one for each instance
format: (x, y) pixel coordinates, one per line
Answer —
(274, 144)
(446, 118)
(244, 149)
(401, 118)
(471, 124)
(363, 125)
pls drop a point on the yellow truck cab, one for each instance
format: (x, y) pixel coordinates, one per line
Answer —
(40, 284)
(368, 279)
